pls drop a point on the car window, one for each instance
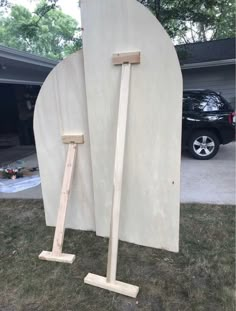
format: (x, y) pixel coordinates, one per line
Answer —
(187, 104)
(201, 102)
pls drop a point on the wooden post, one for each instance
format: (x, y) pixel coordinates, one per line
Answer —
(56, 254)
(110, 283)
(118, 173)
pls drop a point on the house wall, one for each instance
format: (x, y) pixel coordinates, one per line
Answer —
(220, 79)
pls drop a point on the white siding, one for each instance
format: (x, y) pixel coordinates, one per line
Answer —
(220, 79)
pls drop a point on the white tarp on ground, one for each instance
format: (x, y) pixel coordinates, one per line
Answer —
(19, 184)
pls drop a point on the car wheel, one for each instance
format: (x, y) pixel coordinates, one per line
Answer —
(203, 145)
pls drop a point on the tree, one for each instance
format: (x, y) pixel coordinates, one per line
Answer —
(200, 20)
(47, 32)
(3, 3)
(51, 33)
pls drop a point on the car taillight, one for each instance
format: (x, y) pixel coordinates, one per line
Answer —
(232, 118)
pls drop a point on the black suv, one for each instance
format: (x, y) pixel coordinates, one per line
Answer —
(208, 121)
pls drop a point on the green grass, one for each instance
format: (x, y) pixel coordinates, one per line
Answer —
(200, 277)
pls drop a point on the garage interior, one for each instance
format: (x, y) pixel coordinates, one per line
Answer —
(16, 121)
(16, 114)
(21, 76)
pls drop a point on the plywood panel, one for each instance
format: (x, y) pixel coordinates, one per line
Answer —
(151, 181)
(61, 110)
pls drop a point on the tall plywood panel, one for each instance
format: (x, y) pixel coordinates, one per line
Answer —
(151, 179)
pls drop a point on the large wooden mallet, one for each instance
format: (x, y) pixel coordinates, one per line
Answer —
(56, 253)
(110, 282)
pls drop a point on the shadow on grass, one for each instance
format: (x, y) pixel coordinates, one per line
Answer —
(199, 277)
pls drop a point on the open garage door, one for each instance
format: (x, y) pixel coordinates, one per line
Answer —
(21, 75)
(16, 114)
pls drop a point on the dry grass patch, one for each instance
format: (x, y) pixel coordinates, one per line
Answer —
(200, 277)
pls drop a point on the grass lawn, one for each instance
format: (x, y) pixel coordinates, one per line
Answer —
(200, 277)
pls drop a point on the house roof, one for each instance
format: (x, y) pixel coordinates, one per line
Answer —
(23, 68)
(14, 54)
(207, 54)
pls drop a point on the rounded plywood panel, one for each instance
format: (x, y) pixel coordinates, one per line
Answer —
(151, 180)
(61, 109)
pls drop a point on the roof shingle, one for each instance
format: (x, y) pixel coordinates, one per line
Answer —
(206, 51)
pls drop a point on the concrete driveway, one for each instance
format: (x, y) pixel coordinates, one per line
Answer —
(210, 181)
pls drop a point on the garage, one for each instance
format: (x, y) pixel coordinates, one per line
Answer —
(21, 76)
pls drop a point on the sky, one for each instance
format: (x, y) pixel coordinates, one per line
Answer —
(69, 7)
